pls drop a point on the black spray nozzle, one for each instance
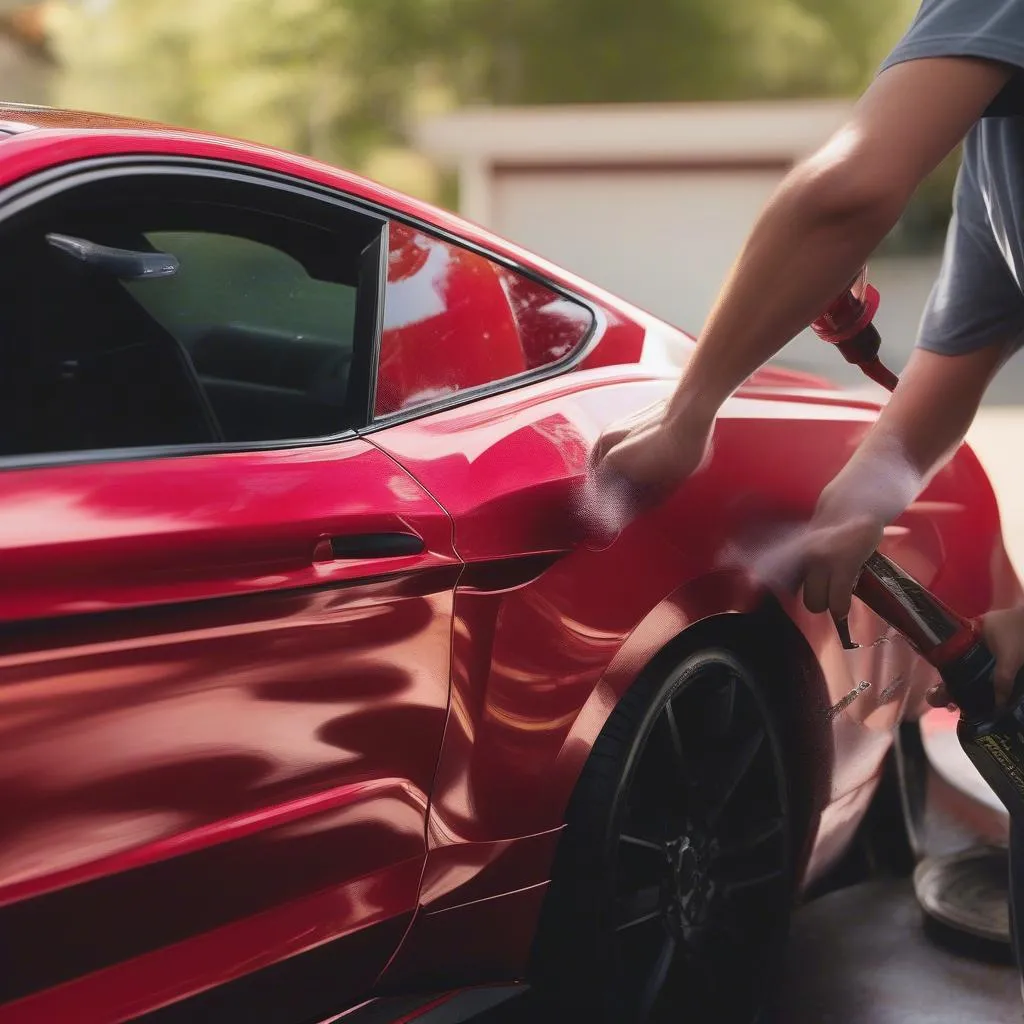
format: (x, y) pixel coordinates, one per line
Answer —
(843, 629)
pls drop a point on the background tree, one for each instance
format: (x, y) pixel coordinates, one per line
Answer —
(342, 79)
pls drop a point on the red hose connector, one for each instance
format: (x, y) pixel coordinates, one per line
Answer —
(847, 324)
(850, 313)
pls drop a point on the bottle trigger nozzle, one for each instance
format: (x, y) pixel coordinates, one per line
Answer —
(843, 629)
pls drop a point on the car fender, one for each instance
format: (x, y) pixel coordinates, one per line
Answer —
(719, 608)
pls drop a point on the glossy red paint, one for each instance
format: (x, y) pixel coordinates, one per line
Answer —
(354, 923)
(193, 703)
(229, 758)
(460, 874)
(153, 532)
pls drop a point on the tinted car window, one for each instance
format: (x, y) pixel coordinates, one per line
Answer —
(272, 345)
(250, 339)
(83, 366)
(227, 279)
(454, 320)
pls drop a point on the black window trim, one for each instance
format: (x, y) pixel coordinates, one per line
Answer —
(38, 187)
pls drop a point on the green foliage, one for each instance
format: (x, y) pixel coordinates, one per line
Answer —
(286, 72)
(341, 79)
(565, 51)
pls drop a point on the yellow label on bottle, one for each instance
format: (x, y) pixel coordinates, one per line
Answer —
(1001, 751)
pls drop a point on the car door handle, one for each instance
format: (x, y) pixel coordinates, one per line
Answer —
(369, 545)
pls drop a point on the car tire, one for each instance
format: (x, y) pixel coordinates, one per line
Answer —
(673, 883)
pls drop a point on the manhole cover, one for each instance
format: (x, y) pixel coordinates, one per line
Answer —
(968, 892)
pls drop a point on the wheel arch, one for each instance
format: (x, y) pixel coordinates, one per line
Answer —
(774, 654)
(756, 629)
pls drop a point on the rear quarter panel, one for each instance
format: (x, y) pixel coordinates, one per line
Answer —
(540, 659)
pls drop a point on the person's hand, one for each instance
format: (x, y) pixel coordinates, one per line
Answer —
(634, 464)
(823, 557)
(653, 450)
(1003, 632)
(837, 544)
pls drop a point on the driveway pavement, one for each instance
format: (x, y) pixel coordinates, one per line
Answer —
(997, 438)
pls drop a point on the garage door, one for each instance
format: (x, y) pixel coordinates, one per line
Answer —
(663, 239)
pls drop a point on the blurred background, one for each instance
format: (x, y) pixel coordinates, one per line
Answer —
(348, 80)
(632, 142)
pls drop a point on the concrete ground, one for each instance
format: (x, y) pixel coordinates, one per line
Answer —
(862, 955)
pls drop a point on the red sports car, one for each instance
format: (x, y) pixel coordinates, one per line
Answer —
(313, 688)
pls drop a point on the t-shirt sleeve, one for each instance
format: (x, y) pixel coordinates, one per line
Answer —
(992, 29)
(976, 301)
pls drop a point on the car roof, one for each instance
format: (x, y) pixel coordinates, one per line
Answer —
(15, 116)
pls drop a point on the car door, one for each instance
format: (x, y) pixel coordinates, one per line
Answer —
(224, 617)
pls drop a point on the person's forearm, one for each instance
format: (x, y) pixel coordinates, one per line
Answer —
(829, 216)
(915, 435)
(802, 252)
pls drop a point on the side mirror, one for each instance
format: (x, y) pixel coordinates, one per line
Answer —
(124, 264)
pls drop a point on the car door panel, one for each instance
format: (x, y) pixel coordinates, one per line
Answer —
(309, 986)
(98, 538)
(211, 724)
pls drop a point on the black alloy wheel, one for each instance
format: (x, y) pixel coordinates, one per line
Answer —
(672, 893)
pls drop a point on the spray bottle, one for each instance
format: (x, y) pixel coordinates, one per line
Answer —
(992, 736)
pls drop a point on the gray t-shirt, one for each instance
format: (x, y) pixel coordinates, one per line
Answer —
(978, 299)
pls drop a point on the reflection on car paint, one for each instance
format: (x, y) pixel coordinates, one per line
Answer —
(454, 320)
(890, 692)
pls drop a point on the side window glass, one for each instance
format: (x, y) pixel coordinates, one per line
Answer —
(454, 320)
(228, 279)
(83, 366)
(151, 323)
(271, 345)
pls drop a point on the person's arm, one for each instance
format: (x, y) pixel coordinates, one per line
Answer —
(826, 219)
(916, 433)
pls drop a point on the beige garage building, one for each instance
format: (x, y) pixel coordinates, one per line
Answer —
(652, 202)
(637, 198)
